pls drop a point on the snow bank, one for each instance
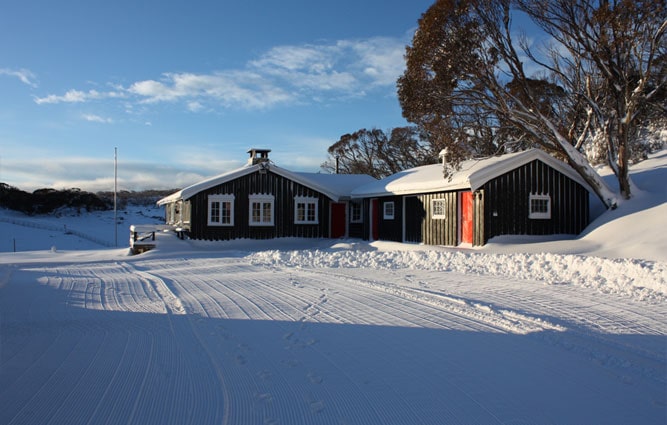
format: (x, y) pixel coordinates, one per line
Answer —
(641, 280)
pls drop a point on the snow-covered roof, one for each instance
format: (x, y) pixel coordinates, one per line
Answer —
(341, 185)
(335, 186)
(472, 175)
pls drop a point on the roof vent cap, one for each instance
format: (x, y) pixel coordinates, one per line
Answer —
(258, 156)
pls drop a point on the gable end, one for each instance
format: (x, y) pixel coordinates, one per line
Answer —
(507, 202)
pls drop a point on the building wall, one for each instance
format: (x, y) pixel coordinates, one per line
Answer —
(506, 203)
(500, 207)
(422, 227)
(284, 191)
(391, 229)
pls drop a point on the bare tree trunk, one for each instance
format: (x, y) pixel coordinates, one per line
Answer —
(623, 175)
(580, 163)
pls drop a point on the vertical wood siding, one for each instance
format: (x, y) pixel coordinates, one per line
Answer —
(366, 222)
(284, 192)
(415, 214)
(506, 202)
(356, 230)
(423, 228)
(391, 229)
(501, 207)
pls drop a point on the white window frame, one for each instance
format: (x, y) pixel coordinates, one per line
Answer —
(220, 200)
(388, 213)
(356, 205)
(307, 203)
(442, 214)
(263, 200)
(539, 215)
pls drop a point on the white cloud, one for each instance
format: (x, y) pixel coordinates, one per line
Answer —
(283, 75)
(380, 59)
(230, 89)
(96, 118)
(175, 170)
(308, 59)
(94, 174)
(346, 66)
(195, 106)
(77, 96)
(153, 90)
(24, 75)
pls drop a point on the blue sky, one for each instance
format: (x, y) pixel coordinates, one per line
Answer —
(184, 88)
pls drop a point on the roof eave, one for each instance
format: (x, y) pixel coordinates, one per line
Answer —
(406, 192)
(190, 191)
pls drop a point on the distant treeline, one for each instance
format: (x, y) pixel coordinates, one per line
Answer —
(46, 201)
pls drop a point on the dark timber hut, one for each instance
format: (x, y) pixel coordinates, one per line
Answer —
(525, 193)
(261, 201)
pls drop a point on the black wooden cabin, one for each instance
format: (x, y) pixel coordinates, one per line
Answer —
(264, 201)
(526, 193)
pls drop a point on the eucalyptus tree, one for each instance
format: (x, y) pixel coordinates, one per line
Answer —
(471, 75)
(378, 153)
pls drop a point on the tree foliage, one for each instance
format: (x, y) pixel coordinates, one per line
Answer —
(48, 200)
(614, 60)
(44, 201)
(467, 85)
(377, 153)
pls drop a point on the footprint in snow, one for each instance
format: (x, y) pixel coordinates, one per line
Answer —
(317, 406)
(264, 397)
(314, 378)
(264, 375)
(291, 363)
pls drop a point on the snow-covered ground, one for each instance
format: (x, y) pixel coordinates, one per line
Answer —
(297, 331)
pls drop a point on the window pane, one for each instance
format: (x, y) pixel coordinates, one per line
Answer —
(226, 212)
(438, 207)
(300, 211)
(356, 212)
(215, 212)
(256, 212)
(540, 206)
(311, 212)
(389, 210)
(266, 217)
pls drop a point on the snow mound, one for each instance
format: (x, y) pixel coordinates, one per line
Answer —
(638, 279)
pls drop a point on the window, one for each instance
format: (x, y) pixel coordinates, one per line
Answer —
(540, 206)
(305, 210)
(355, 212)
(438, 208)
(221, 210)
(261, 210)
(388, 210)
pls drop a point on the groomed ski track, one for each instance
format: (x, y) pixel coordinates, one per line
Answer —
(229, 340)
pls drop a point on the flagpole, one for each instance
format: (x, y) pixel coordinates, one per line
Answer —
(115, 199)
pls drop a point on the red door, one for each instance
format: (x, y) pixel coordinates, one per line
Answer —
(466, 217)
(375, 220)
(338, 220)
